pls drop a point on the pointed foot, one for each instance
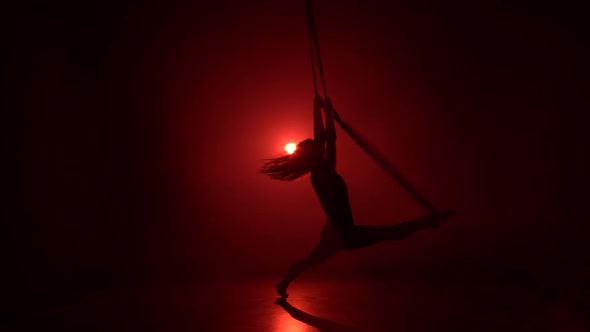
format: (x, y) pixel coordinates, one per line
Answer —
(441, 217)
(281, 288)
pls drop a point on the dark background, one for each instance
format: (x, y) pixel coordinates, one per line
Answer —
(135, 131)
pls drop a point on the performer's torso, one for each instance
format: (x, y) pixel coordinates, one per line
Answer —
(333, 195)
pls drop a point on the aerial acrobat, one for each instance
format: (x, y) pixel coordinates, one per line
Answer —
(317, 157)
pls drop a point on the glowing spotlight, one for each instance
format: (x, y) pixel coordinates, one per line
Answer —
(290, 148)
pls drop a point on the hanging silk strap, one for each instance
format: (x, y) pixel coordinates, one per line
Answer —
(382, 161)
(314, 45)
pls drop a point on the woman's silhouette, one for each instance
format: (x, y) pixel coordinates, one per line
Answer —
(318, 157)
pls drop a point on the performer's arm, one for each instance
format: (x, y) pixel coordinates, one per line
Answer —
(330, 134)
(319, 133)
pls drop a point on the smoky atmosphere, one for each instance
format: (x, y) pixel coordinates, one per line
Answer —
(137, 134)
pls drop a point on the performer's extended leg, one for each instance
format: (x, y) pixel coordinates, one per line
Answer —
(362, 235)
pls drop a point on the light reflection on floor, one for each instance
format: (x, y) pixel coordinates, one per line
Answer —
(283, 322)
(313, 305)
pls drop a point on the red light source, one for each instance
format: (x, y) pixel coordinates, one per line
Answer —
(290, 148)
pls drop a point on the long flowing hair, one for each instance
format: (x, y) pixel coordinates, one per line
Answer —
(292, 166)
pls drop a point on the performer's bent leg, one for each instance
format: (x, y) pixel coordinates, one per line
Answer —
(319, 254)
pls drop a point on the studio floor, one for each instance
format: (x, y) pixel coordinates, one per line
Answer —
(314, 304)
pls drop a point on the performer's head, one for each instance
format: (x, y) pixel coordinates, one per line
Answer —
(307, 155)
